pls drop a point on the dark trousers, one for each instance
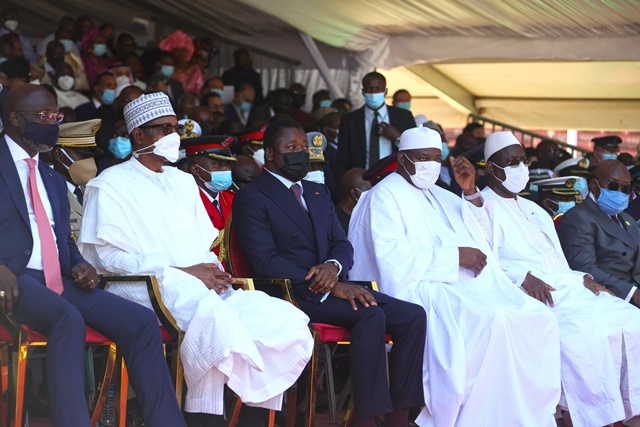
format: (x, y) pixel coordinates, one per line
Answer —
(406, 323)
(134, 329)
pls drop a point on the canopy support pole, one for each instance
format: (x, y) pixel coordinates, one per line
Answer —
(448, 90)
(311, 46)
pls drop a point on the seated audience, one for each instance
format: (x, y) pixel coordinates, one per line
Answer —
(557, 195)
(402, 99)
(596, 362)
(252, 145)
(320, 99)
(104, 94)
(256, 344)
(64, 79)
(240, 107)
(599, 238)
(425, 245)
(244, 170)
(180, 45)
(242, 72)
(352, 188)
(287, 227)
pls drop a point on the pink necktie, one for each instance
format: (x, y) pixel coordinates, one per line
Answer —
(295, 188)
(50, 259)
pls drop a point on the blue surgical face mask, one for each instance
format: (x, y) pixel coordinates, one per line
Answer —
(609, 156)
(374, 100)
(220, 180)
(563, 207)
(445, 151)
(68, 44)
(219, 92)
(404, 105)
(120, 147)
(325, 103)
(167, 70)
(99, 49)
(108, 96)
(582, 186)
(612, 202)
(245, 107)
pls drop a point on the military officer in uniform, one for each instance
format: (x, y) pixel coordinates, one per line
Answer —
(73, 158)
(557, 195)
(604, 148)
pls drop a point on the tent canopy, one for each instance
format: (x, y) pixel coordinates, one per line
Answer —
(533, 63)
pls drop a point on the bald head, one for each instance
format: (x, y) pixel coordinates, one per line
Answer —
(244, 170)
(352, 186)
(608, 172)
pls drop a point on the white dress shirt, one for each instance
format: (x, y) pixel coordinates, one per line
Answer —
(214, 200)
(20, 157)
(385, 143)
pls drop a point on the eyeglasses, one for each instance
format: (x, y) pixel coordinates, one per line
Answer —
(614, 186)
(167, 128)
(515, 163)
(46, 115)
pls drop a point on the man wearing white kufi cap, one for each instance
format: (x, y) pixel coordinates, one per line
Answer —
(142, 217)
(599, 333)
(492, 355)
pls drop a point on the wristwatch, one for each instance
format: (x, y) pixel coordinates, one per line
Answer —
(334, 263)
(473, 196)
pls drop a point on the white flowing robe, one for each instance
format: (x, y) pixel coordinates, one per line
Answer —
(492, 356)
(599, 335)
(140, 222)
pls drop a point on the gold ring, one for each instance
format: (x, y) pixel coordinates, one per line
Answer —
(2, 294)
(91, 280)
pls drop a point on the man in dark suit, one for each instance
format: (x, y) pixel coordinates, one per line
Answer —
(598, 238)
(368, 134)
(46, 284)
(288, 228)
(243, 72)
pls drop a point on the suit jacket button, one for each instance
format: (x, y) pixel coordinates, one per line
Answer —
(295, 237)
(624, 254)
(27, 252)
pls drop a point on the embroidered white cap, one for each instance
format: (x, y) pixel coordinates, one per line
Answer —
(497, 141)
(146, 108)
(419, 138)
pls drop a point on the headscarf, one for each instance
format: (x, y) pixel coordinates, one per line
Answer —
(176, 40)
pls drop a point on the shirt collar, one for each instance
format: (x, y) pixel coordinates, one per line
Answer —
(17, 152)
(287, 182)
(135, 163)
(382, 112)
(96, 103)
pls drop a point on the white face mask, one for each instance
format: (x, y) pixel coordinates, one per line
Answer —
(65, 82)
(315, 176)
(426, 175)
(516, 178)
(258, 156)
(123, 81)
(11, 24)
(167, 147)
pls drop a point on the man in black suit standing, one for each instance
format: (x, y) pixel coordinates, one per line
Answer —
(598, 238)
(287, 227)
(368, 134)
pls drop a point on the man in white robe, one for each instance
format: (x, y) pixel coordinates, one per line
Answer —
(599, 333)
(492, 356)
(145, 218)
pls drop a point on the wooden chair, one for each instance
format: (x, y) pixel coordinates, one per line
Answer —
(323, 334)
(15, 342)
(172, 335)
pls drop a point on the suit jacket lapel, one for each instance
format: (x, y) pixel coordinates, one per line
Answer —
(361, 130)
(286, 201)
(9, 174)
(609, 226)
(318, 217)
(46, 173)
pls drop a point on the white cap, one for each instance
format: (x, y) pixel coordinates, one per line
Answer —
(497, 141)
(420, 138)
(421, 119)
(146, 108)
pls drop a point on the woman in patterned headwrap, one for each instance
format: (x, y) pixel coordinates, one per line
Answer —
(181, 47)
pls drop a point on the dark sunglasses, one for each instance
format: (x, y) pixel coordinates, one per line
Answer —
(614, 186)
(167, 128)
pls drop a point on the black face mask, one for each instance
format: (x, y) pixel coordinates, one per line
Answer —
(41, 133)
(295, 166)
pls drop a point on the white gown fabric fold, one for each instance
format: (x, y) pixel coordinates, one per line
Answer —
(599, 335)
(141, 222)
(492, 355)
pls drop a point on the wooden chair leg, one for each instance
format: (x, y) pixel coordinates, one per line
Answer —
(331, 390)
(310, 413)
(235, 412)
(5, 390)
(122, 392)
(348, 415)
(272, 418)
(106, 383)
(292, 406)
(19, 373)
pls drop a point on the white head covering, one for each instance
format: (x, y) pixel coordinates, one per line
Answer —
(146, 108)
(421, 119)
(497, 141)
(419, 138)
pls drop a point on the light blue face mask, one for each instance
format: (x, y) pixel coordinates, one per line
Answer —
(612, 202)
(245, 107)
(167, 70)
(404, 105)
(563, 207)
(99, 49)
(2, 59)
(445, 151)
(219, 92)
(108, 96)
(609, 156)
(374, 100)
(68, 44)
(120, 147)
(325, 103)
(582, 186)
(220, 180)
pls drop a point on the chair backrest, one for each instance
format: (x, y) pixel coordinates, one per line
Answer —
(234, 258)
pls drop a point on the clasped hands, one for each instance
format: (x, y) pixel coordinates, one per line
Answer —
(325, 279)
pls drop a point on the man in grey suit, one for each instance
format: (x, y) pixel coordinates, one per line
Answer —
(600, 239)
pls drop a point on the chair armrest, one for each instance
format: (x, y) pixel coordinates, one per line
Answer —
(371, 285)
(164, 315)
(284, 285)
